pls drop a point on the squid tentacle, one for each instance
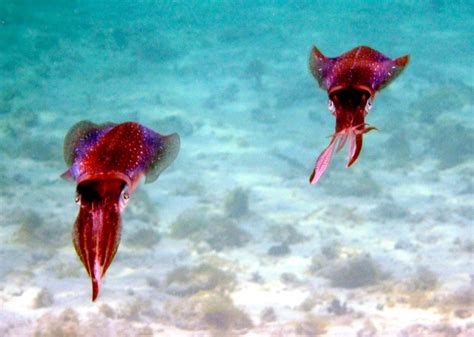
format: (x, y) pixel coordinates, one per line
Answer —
(323, 161)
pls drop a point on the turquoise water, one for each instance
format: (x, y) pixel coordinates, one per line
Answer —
(232, 239)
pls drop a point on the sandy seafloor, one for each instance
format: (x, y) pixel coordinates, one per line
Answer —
(232, 240)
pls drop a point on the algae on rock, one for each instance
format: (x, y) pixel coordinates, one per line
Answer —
(206, 310)
(66, 325)
(355, 272)
(184, 281)
(311, 326)
(217, 231)
(236, 203)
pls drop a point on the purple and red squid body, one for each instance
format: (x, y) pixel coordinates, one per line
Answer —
(107, 162)
(351, 81)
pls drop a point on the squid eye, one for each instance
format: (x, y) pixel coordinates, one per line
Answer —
(77, 199)
(368, 105)
(124, 197)
(331, 107)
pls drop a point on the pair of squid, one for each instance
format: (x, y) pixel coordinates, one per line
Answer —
(107, 161)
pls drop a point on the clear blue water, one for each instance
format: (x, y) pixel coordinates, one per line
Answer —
(232, 239)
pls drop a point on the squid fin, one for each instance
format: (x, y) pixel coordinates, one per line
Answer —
(166, 152)
(80, 137)
(392, 69)
(320, 66)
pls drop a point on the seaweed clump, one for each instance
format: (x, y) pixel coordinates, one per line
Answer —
(143, 208)
(330, 251)
(424, 280)
(264, 114)
(236, 203)
(45, 149)
(66, 325)
(460, 302)
(185, 281)
(107, 311)
(441, 99)
(33, 231)
(268, 315)
(255, 70)
(64, 270)
(355, 272)
(156, 48)
(454, 149)
(286, 234)
(311, 326)
(279, 250)
(418, 291)
(308, 303)
(145, 238)
(390, 210)
(42, 299)
(366, 186)
(433, 330)
(206, 310)
(217, 231)
(135, 309)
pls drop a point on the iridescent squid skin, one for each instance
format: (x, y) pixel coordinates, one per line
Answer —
(107, 162)
(351, 81)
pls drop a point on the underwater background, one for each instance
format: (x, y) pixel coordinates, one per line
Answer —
(232, 240)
